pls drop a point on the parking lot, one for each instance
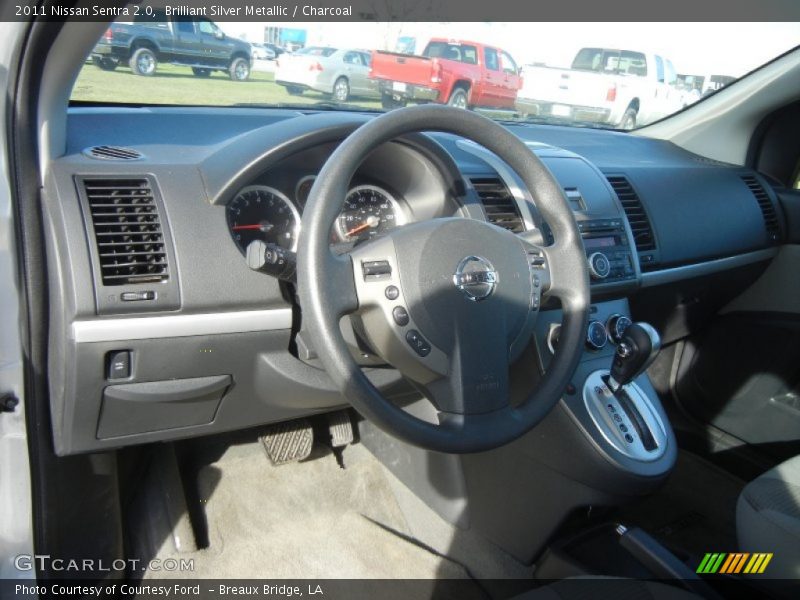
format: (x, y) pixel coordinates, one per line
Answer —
(177, 85)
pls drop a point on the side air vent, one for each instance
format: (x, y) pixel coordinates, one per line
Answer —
(113, 153)
(130, 241)
(637, 217)
(771, 223)
(498, 203)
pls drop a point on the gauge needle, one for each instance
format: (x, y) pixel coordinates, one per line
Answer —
(256, 227)
(372, 221)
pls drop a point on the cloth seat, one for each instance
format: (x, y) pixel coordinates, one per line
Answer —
(768, 519)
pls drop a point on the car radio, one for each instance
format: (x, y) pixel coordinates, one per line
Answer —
(607, 250)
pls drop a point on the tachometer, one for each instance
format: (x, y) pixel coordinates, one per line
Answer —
(259, 212)
(368, 211)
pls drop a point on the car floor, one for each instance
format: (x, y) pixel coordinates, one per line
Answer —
(695, 511)
(311, 519)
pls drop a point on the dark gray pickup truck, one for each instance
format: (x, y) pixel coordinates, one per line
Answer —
(196, 43)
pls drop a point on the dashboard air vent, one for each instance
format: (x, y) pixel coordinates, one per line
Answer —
(113, 153)
(498, 203)
(771, 223)
(127, 230)
(637, 217)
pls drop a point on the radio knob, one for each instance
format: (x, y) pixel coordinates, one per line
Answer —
(596, 336)
(599, 265)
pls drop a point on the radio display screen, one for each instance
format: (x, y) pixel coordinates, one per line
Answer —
(600, 242)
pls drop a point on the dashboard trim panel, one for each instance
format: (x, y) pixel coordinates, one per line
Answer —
(172, 326)
(521, 197)
(674, 274)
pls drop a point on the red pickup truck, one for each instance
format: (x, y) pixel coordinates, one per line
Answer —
(458, 73)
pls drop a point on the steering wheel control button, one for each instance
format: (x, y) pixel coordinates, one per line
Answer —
(119, 365)
(476, 277)
(599, 265)
(391, 292)
(400, 316)
(418, 343)
(376, 269)
(596, 336)
(536, 260)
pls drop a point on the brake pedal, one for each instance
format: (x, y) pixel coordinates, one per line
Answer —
(288, 442)
(340, 428)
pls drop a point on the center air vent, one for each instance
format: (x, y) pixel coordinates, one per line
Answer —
(113, 153)
(131, 247)
(771, 223)
(498, 203)
(637, 217)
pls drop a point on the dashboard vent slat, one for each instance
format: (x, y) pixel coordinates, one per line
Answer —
(771, 223)
(637, 217)
(499, 205)
(113, 153)
(127, 231)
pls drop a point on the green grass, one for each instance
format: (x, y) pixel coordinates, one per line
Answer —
(177, 85)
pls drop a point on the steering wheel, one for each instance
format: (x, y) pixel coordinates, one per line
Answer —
(447, 301)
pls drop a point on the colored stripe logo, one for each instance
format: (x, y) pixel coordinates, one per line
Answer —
(735, 562)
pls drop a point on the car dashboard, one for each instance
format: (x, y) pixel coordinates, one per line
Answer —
(160, 330)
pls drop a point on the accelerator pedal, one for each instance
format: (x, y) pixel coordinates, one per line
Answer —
(340, 428)
(340, 434)
(288, 442)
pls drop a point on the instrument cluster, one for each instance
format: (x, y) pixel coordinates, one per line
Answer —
(265, 213)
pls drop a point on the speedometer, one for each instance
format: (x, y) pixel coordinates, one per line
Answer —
(368, 211)
(259, 212)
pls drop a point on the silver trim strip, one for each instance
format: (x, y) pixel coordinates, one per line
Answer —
(663, 276)
(521, 196)
(172, 326)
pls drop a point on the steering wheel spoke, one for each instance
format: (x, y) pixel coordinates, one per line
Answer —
(539, 265)
(342, 295)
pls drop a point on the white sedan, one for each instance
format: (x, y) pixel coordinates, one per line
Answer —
(341, 73)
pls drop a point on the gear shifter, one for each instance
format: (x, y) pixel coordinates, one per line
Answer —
(636, 350)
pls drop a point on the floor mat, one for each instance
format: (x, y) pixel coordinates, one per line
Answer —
(695, 510)
(305, 520)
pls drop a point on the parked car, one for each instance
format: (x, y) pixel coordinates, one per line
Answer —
(459, 73)
(262, 52)
(199, 44)
(341, 73)
(276, 50)
(620, 88)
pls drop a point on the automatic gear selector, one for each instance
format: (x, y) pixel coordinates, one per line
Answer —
(618, 406)
(636, 351)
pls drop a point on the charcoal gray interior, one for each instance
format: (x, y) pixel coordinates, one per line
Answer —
(615, 315)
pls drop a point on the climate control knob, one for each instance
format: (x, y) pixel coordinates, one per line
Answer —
(599, 265)
(616, 326)
(596, 336)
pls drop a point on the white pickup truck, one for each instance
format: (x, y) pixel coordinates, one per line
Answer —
(619, 88)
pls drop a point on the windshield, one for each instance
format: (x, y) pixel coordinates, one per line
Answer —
(609, 75)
